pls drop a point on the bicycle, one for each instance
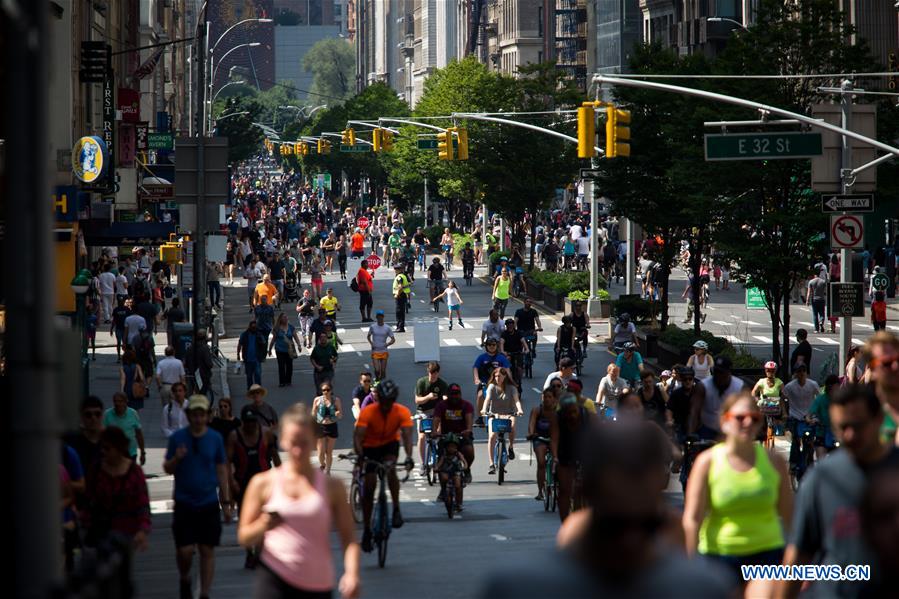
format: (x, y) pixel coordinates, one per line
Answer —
(448, 256)
(468, 272)
(432, 446)
(500, 424)
(518, 282)
(421, 258)
(356, 486)
(527, 365)
(550, 485)
(805, 434)
(693, 446)
(436, 289)
(530, 338)
(381, 524)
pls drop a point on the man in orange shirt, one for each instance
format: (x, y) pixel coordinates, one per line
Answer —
(265, 289)
(357, 243)
(365, 285)
(377, 439)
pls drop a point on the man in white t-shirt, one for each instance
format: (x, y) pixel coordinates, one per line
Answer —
(583, 247)
(252, 274)
(576, 232)
(107, 291)
(134, 324)
(121, 283)
(380, 337)
(800, 393)
(169, 370)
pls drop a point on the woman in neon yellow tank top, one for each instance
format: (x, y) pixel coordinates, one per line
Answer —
(501, 291)
(739, 500)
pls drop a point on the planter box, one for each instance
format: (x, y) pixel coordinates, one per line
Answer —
(649, 343)
(594, 308)
(554, 301)
(533, 289)
(669, 355)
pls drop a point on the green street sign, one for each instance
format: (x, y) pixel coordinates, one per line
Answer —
(755, 299)
(762, 146)
(431, 144)
(880, 282)
(358, 148)
(160, 141)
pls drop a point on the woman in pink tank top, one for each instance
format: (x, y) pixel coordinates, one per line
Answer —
(290, 510)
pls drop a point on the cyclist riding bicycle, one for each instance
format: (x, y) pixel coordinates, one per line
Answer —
(483, 367)
(429, 391)
(420, 245)
(446, 246)
(452, 467)
(624, 332)
(631, 364)
(379, 429)
(527, 319)
(395, 241)
(581, 322)
(513, 346)
(467, 257)
(565, 336)
(436, 275)
(455, 415)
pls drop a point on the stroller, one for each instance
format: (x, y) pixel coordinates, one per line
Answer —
(291, 288)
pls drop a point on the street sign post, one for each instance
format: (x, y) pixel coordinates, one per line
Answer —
(358, 148)
(362, 222)
(880, 282)
(431, 144)
(589, 173)
(846, 231)
(847, 299)
(850, 202)
(160, 141)
(755, 299)
(374, 262)
(761, 146)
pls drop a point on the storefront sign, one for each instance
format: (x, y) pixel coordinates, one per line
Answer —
(89, 159)
(129, 104)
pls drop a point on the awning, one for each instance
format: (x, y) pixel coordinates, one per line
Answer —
(103, 234)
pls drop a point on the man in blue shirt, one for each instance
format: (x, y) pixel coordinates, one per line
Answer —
(251, 345)
(631, 363)
(482, 369)
(196, 457)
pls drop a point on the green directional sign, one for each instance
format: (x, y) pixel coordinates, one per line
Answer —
(762, 146)
(358, 148)
(755, 299)
(431, 144)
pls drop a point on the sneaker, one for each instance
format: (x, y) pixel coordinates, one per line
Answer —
(397, 520)
(460, 323)
(424, 470)
(366, 541)
(441, 497)
(451, 325)
(458, 508)
(511, 454)
(185, 591)
(492, 469)
(466, 476)
(539, 496)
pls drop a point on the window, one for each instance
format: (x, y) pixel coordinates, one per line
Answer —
(540, 23)
(539, 56)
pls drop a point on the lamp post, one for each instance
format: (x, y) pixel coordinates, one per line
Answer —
(738, 24)
(213, 68)
(80, 284)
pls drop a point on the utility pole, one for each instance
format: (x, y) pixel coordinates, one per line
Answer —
(845, 178)
(33, 356)
(426, 202)
(199, 238)
(630, 268)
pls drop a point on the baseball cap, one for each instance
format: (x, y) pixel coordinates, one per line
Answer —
(198, 402)
(723, 363)
(379, 312)
(249, 414)
(575, 385)
(454, 389)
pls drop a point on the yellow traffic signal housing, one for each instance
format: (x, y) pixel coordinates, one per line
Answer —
(298, 148)
(376, 140)
(302, 148)
(462, 149)
(349, 137)
(445, 144)
(386, 140)
(586, 131)
(170, 253)
(618, 132)
(324, 146)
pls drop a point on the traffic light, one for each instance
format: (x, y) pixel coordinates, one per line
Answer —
(586, 131)
(462, 149)
(445, 144)
(618, 132)
(376, 140)
(387, 140)
(348, 137)
(324, 146)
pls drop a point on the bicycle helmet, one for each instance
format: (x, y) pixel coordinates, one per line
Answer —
(686, 371)
(387, 389)
(624, 317)
(629, 346)
(451, 438)
(770, 365)
(701, 345)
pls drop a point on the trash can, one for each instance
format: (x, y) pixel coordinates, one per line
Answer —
(182, 338)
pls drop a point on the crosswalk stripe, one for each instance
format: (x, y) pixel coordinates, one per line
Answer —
(827, 340)
(341, 331)
(451, 342)
(763, 339)
(805, 323)
(862, 325)
(410, 342)
(346, 347)
(733, 339)
(857, 341)
(892, 328)
(549, 339)
(721, 323)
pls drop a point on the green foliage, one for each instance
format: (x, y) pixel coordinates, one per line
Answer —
(579, 296)
(433, 233)
(243, 138)
(603, 295)
(332, 62)
(638, 308)
(683, 339)
(563, 283)
(459, 241)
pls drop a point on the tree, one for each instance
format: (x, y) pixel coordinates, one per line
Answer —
(332, 63)
(244, 138)
(774, 215)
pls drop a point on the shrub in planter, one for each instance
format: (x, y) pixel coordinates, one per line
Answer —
(553, 299)
(638, 308)
(685, 338)
(459, 241)
(433, 234)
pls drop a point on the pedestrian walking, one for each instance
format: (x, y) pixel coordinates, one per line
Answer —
(380, 338)
(251, 347)
(364, 287)
(290, 510)
(132, 381)
(323, 358)
(169, 370)
(127, 419)
(174, 413)
(195, 455)
(327, 410)
(286, 344)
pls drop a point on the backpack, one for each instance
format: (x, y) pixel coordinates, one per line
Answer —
(354, 285)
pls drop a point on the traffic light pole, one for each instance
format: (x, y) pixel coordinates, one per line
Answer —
(845, 168)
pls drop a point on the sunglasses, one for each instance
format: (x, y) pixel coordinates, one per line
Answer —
(743, 418)
(884, 363)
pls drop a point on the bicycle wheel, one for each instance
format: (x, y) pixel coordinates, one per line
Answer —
(356, 501)
(449, 498)
(555, 497)
(501, 462)
(384, 535)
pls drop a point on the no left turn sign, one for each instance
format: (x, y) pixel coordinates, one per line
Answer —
(846, 231)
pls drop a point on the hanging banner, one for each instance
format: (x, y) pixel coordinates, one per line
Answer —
(89, 159)
(129, 104)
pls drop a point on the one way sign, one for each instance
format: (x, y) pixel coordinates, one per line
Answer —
(856, 202)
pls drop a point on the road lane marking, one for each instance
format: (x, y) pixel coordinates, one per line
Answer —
(346, 347)
(341, 331)
(804, 323)
(451, 342)
(892, 328)
(763, 339)
(857, 341)
(721, 323)
(549, 339)
(410, 342)
(499, 537)
(358, 353)
(733, 339)
(827, 340)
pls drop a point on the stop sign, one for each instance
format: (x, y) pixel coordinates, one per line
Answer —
(362, 221)
(374, 262)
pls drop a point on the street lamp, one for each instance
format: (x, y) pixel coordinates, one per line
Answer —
(725, 20)
(213, 68)
(80, 284)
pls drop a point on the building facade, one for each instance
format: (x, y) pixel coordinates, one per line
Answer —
(254, 64)
(618, 28)
(298, 27)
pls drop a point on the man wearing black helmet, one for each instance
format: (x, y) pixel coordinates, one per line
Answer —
(624, 331)
(379, 429)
